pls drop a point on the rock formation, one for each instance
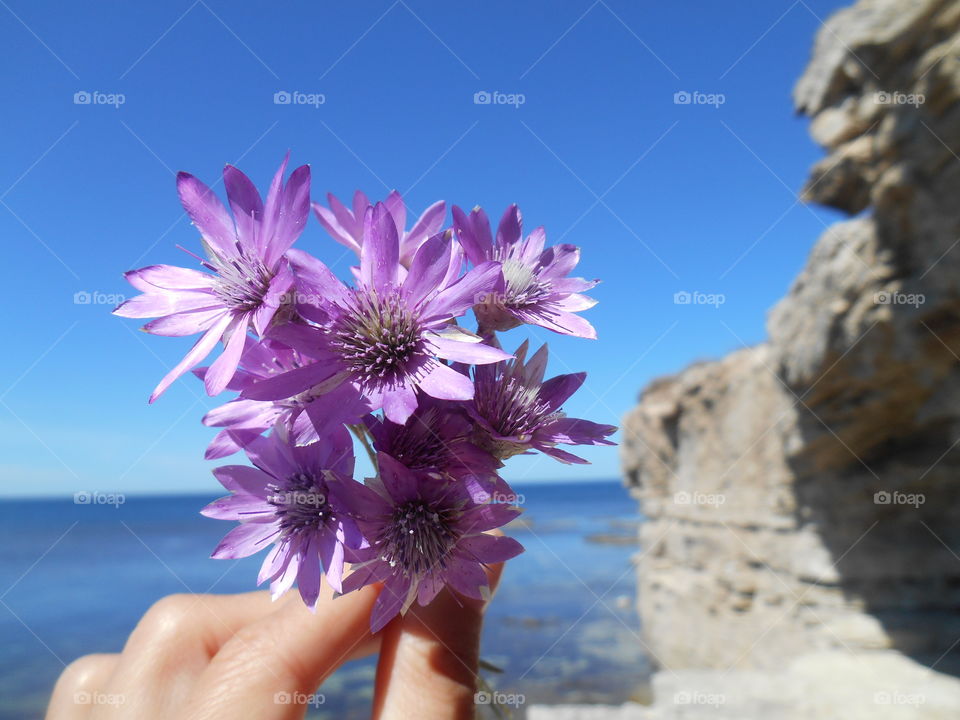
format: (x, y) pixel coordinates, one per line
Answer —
(803, 495)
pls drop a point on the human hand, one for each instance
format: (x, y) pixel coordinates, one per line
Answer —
(205, 657)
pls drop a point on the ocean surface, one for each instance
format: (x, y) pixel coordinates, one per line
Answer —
(75, 578)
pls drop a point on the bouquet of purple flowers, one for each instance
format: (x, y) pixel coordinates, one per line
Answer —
(315, 363)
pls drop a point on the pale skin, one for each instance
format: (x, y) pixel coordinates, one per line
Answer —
(207, 657)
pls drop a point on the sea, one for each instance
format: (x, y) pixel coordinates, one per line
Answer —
(76, 574)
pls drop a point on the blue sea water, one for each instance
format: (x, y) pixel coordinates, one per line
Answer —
(75, 578)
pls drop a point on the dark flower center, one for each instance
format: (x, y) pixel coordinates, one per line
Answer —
(377, 336)
(418, 538)
(241, 282)
(421, 442)
(300, 502)
(512, 407)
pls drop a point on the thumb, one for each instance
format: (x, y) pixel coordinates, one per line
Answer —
(429, 658)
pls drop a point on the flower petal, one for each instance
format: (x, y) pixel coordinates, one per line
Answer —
(208, 214)
(380, 253)
(222, 369)
(197, 353)
(246, 206)
(442, 381)
(245, 540)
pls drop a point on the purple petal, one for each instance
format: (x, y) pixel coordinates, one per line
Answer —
(308, 575)
(466, 577)
(429, 587)
(473, 353)
(168, 277)
(557, 390)
(245, 540)
(473, 231)
(290, 383)
(445, 383)
(428, 269)
(167, 303)
(185, 323)
(337, 231)
(380, 253)
(243, 479)
(559, 321)
(316, 278)
(427, 225)
(509, 230)
(272, 207)
(391, 599)
(294, 211)
(246, 205)
(222, 369)
(563, 456)
(489, 548)
(399, 403)
(397, 210)
(208, 214)
(239, 508)
(465, 293)
(197, 353)
(558, 261)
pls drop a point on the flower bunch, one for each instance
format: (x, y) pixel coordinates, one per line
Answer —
(316, 363)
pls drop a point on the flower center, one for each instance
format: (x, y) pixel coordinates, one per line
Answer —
(241, 282)
(300, 503)
(421, 442)
(377, 336)
(522, 285)
(418, 538)
(512, 407)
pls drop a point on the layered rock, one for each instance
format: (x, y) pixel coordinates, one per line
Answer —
(804, 494)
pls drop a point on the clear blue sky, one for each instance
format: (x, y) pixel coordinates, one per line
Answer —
(662, 197)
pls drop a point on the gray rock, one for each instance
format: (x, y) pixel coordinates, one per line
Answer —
(802, 494)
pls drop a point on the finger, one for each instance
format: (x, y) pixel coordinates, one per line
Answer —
(80, 686)
(173, 643)
(429, 657)
(271, 669)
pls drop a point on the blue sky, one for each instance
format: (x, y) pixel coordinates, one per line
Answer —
(663, 197)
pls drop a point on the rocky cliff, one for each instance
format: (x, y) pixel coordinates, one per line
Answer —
(804, 494)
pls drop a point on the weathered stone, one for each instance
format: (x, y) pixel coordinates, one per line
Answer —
(803, 494)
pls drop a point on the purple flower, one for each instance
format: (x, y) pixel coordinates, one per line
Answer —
(346, 225)
(535, 289)
(516, 411)
(378, 343)
(243, 419)
(286, 500)
(423, 534)
(246, 255)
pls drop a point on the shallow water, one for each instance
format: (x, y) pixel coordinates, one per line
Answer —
(563, 626)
